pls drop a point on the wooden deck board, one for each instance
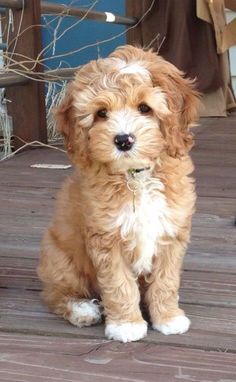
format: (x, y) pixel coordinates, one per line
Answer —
(38, 346)
(101, 360)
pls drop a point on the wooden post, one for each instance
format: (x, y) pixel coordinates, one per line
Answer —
(135, 9)
(27, 106)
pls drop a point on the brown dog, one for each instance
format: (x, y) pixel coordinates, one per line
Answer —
(123, 219)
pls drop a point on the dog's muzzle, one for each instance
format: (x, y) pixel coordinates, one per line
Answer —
(124, 142)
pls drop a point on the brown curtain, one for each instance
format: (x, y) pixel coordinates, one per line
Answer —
(188, 34)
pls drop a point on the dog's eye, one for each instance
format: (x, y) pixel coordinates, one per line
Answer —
(143, 108)
(102, 113)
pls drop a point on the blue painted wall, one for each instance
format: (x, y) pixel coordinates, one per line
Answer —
(84, 33)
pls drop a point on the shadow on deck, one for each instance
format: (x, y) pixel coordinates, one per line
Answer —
(38, 346)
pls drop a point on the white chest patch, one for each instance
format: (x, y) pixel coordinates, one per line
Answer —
(150, 221)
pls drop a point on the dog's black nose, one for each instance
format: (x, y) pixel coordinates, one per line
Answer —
(124, 142)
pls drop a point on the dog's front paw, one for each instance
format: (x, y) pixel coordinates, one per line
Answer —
(177, 325)
(127, 332)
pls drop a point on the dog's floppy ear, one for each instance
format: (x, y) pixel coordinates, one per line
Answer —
(65, 119)
(69, 126)
(183, 102)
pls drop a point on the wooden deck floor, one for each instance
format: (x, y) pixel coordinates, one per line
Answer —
(37, 346)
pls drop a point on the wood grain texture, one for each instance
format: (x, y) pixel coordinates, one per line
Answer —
(44, 359)
(38, 346)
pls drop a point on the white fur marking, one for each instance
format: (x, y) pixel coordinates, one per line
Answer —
(132, 68)
(124, 124)
(84, 313)
(150, 227)
(126, 221)
(178, 325)
(124, 121)
(150, 222)
(126, 332)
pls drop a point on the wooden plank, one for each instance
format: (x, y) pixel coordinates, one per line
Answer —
(224, 143)
(218, 173)
(210, 329)
(20, 253)
(18, 303)
(213, 158)
(24, 252)
(201, 260)
(18, 278)
(27, 257)
(28, 253)
(36, 224)
(40, 205)
(223, 232)
(29, 240)
(27, 211)
(29, 180)
(198, 287)
(208, 288)
(208, 301)
(18, 261)
(215, 212)
(27, 357)
(214, 221)
(225, 236)
(222, 207)
(211, 125)
(27, 106)
(211, 245)
(212, 333)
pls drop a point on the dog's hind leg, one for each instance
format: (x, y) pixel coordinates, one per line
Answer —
(84, 312)
(78, 311)
(69, 287)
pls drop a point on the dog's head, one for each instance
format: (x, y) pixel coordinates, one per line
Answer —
(125, 110)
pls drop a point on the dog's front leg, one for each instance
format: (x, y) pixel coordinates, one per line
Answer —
(162, 293)
(120, 295)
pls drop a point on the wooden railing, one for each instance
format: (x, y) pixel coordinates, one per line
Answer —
(26, 91)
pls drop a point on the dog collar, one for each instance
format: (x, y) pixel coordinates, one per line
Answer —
(134, 171)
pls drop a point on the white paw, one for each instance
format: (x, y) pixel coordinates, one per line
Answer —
(126, 332)
(178, 325)
(84, 313)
